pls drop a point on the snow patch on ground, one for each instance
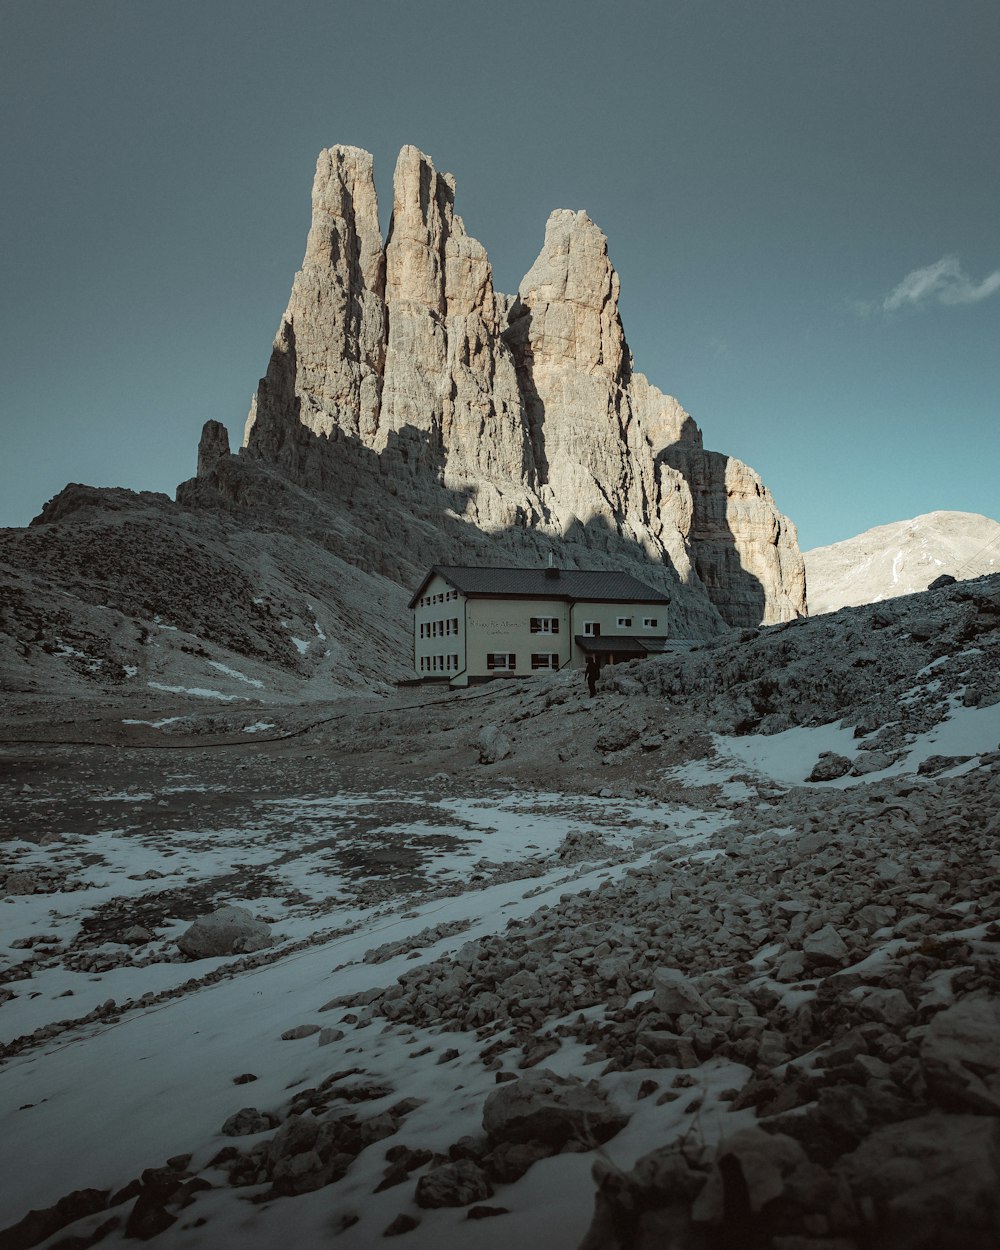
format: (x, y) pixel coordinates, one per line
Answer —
(705, 772)
(199, 691)
(92, 662)
(316, 625)
(233, 672)
(788, 757)
(965, 731)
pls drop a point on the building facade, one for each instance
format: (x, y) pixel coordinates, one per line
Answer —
(474, 624)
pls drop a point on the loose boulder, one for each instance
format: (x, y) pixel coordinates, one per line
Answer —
(960, 1056)
(829, 767)
(930, 1181)
(553, 1109)
(825, 946)
(453, 1185)
(763, 1161)
(227, 931)
(246, 1121)
(494, 745)
(675, 995)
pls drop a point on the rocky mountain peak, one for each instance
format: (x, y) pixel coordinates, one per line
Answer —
(213, 445)
(572, 292)
(522, 417)
(902, 558)
(329, 353)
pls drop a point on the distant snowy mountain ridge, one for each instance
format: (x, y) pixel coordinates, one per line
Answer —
(901, 559)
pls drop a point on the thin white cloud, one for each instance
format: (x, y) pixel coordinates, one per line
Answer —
(944, 282)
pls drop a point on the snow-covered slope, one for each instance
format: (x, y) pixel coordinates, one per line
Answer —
(901, 558)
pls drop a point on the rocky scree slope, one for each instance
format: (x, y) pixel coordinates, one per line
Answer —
(890, 670)
(901, 559)
(399, 371)
(110, 591)
(800, 1009)
(839, 944)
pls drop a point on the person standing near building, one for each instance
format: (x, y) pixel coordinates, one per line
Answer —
(592, 672)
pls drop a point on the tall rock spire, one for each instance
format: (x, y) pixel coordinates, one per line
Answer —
(448, 371)
(401, 364)
(574, 367)
(329, 353)
(597, 427)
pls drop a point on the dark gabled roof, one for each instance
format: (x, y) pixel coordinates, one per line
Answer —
(593, 585)
(621, 644)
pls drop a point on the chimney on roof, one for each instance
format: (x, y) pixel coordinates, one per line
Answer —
(551, 571)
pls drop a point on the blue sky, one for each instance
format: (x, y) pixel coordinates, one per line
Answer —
(802, 200)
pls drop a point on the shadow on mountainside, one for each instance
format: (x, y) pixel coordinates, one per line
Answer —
(518, 338)
(403, 505)
(254, 541)
(738, 595)
(390, 513)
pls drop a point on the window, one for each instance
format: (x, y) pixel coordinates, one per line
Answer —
(650, 622)
(592, 629)
(624, 622)
(545, 625)
(544, 660)
(501, 661)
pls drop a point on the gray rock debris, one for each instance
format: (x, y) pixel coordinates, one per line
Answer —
(494, 745)
(553, 1109)
(227, 931)
(830, 766)
(453, 1185)
(960, 1056)
(673, 994)
(930, 1181)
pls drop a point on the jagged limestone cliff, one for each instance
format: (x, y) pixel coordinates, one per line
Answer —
(399, 373)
